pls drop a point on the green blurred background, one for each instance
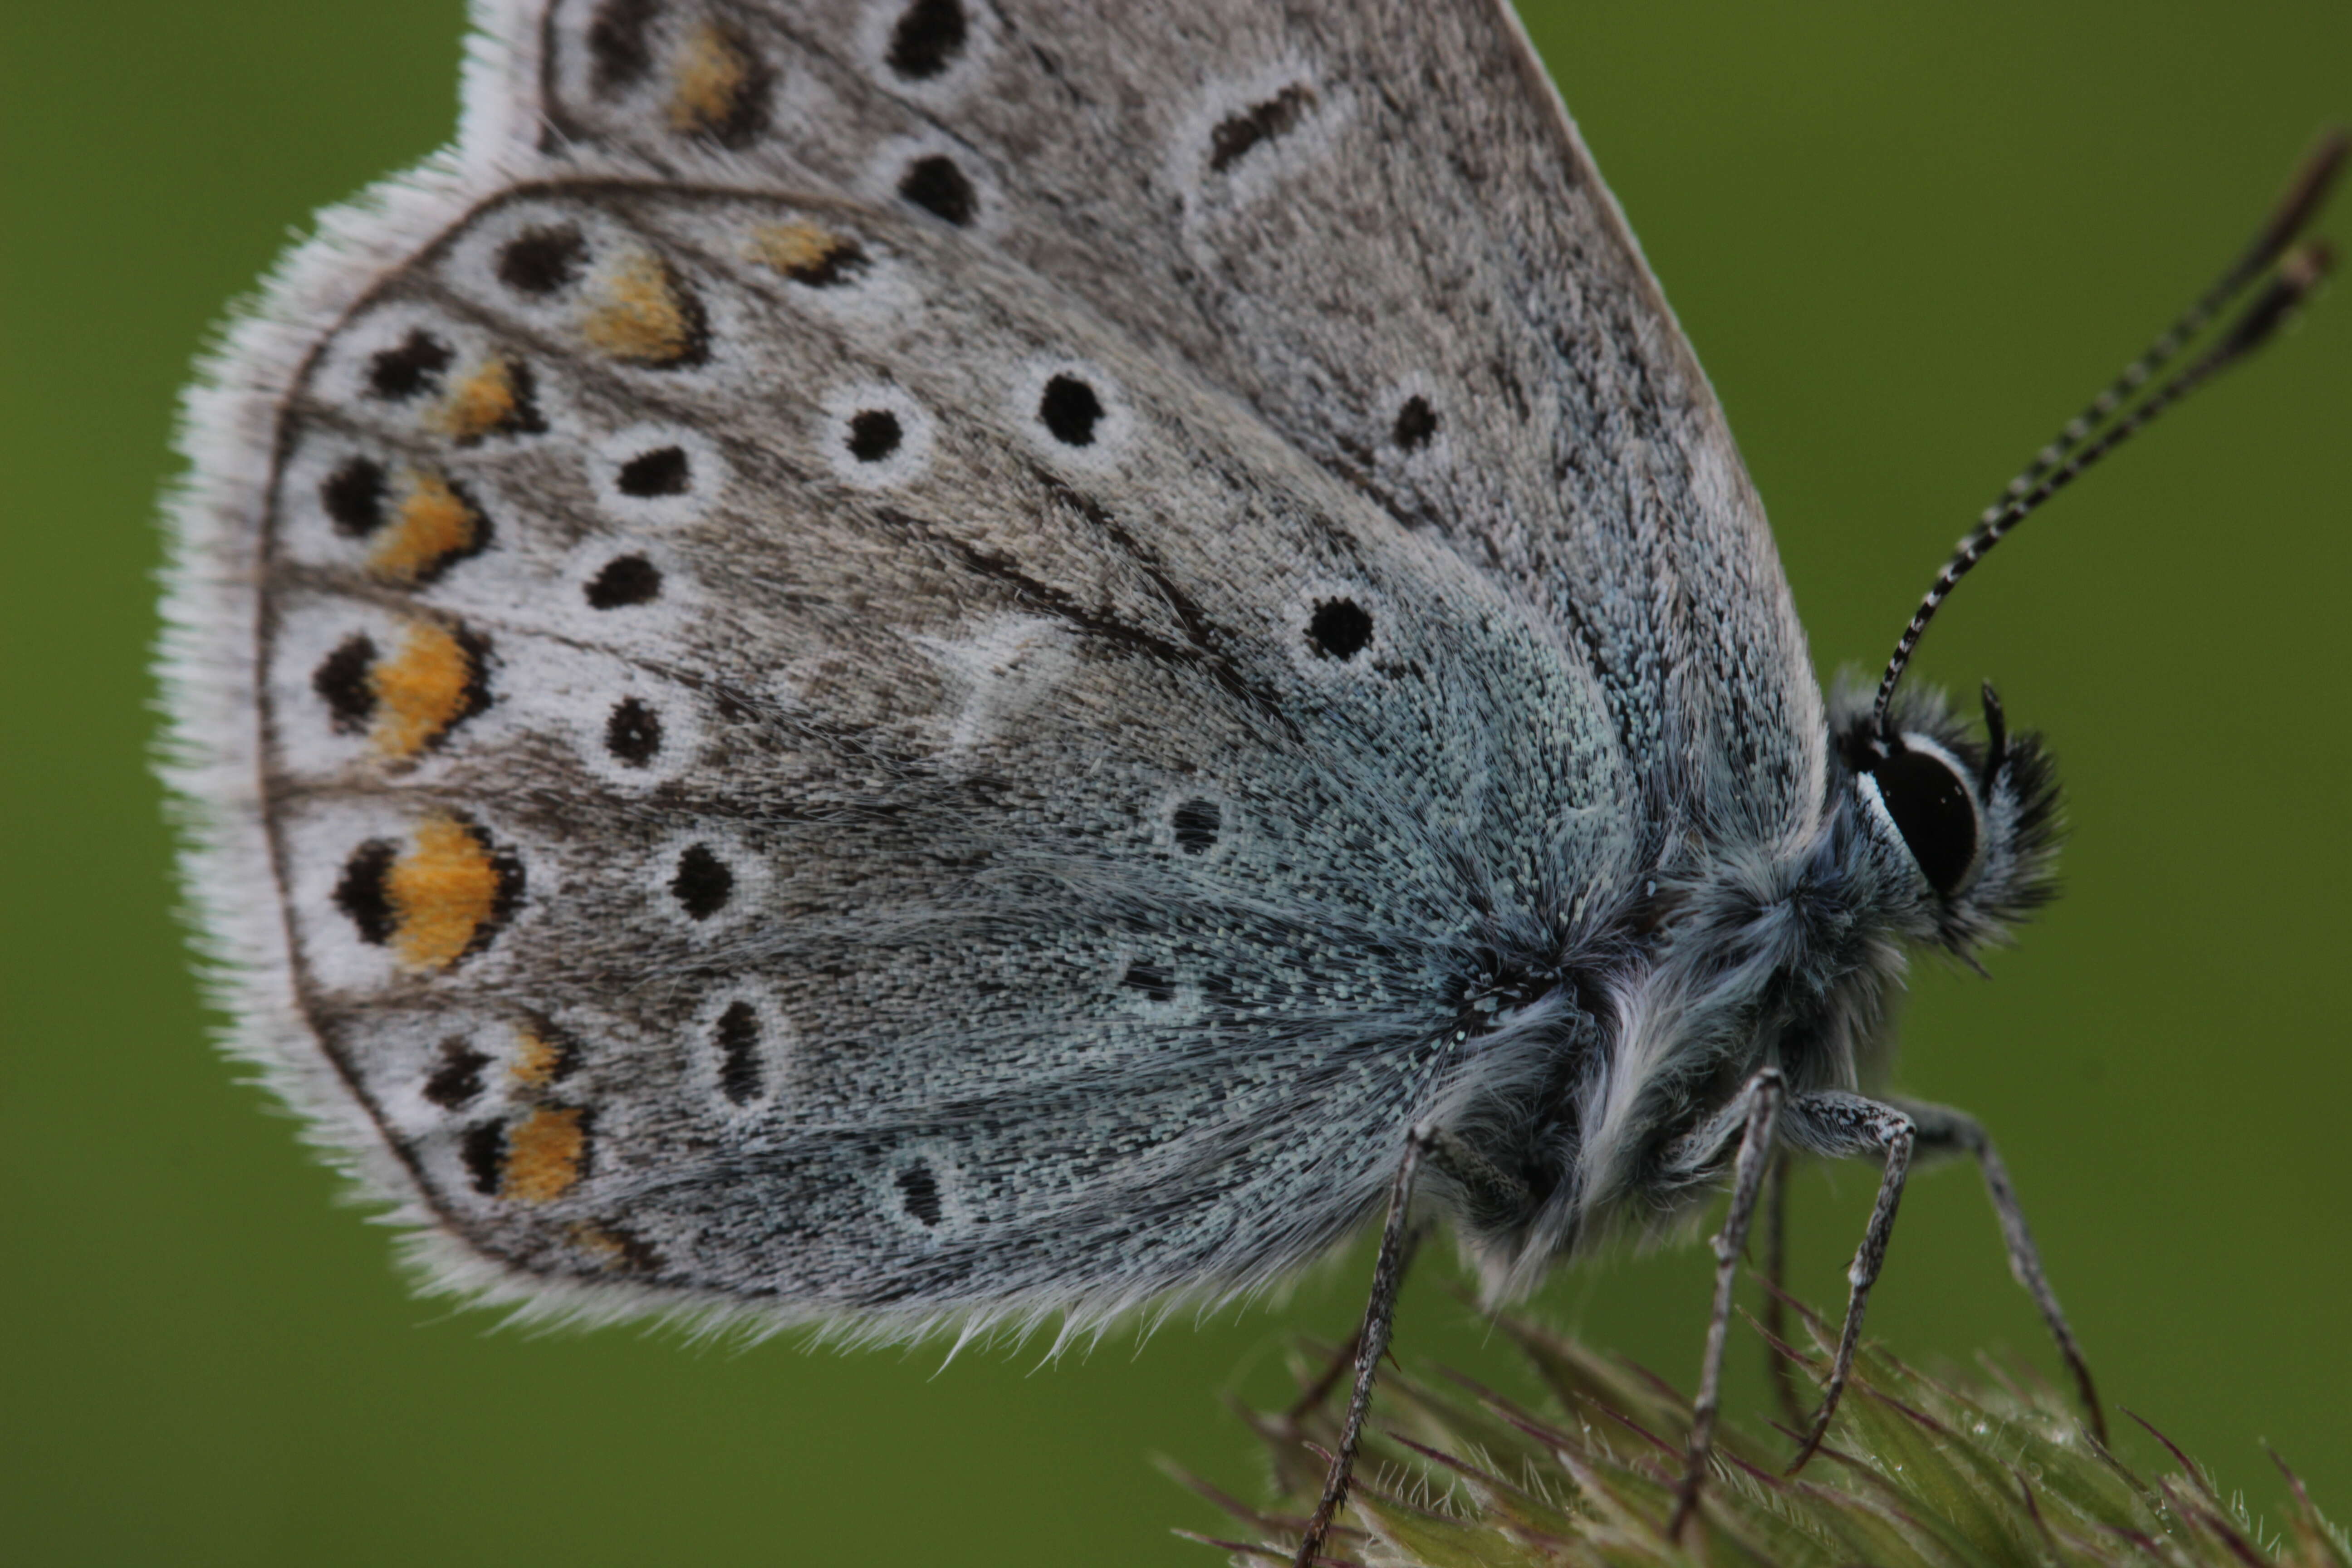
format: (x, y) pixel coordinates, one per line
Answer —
(1906, 244)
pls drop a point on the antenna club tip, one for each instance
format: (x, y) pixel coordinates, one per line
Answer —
(2308, 264)
(2308, 192)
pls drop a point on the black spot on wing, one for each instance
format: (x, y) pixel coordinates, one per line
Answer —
(539, 262)
(738, 1035)
(1156, 984)
(633, 732)
(874, 435)
(1416, 424)
(918, 1191)
(353, 496)
(457, 1076)
(410, 369)
(1070, 410)
(928, 36)
(364, 895)
(484, 1155)
(703, 883)
(620, 48)
(935, 185)
(1197, 824)
(622, 581)
(344, 681)
(663, 471)
(1236, 134)
(1339, 629)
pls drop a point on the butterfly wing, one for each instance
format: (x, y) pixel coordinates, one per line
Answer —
(817, 755)
(802, 767)
(1373, 222)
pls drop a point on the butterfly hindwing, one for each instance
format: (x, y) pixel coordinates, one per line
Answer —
(808, 768)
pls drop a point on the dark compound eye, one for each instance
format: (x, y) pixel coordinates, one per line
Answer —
(1933, 810)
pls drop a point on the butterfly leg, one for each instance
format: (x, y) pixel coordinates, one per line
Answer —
(1841, 1126)
(1943, 1130)
(1397, 1239)
(1776, 1301)
(1760, 1110)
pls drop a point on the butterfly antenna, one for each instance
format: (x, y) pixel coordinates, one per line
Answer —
(2294, 272)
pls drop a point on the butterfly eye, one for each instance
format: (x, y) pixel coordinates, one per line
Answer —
(1933, 810)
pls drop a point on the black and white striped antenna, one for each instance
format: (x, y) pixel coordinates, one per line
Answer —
(2289, 270)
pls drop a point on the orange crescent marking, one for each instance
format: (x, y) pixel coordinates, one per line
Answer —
(431, 524)
(640, 316)
(543, 1154)
(442, 892)
(421, 690)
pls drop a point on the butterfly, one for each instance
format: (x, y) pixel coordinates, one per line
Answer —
(932, 664)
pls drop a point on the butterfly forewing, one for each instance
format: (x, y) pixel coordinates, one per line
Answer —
(1373, 223)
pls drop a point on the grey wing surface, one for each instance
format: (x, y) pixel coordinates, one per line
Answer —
(776, 804)
(1373, 222)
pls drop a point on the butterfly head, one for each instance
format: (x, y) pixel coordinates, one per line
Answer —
(1970, 821)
